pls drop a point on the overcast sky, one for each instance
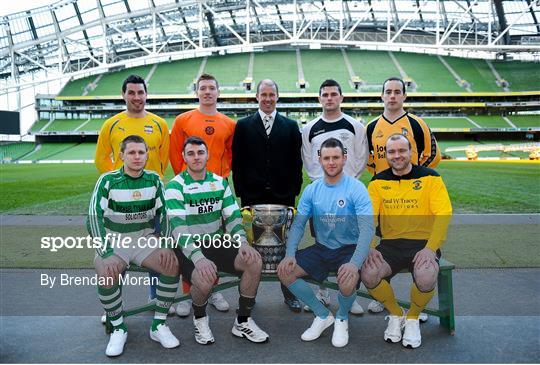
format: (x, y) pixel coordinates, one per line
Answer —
(10, 7)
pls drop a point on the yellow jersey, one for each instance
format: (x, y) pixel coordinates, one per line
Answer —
(412, 206)
(151, 128)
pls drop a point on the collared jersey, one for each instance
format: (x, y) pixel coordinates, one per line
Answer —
(200, 207)
(348, 130)
(126, 205)
(412, 206)
(151, 128)
(217, 131)
(423, 143)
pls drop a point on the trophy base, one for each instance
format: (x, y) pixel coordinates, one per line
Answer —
(271, 256)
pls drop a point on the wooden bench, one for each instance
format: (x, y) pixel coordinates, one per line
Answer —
(445, 293)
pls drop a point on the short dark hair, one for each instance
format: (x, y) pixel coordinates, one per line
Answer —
(394, 79)
(132, 139)
(133, 79)
(196, 141)
(205, 77)
(330, 83)
(396, 136)
(269, 83)
(333, 143)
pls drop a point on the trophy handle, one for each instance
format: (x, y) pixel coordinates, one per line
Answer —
(291, 212)
(247, 222)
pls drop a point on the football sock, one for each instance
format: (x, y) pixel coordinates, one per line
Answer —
(165, 292)
(384, 294)
(199, 311)
(303, 291)
(245, 305)
(419, 300)
(111, 300)
(345, 304)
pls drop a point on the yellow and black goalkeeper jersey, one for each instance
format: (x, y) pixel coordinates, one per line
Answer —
(424, 146)
(412, 206)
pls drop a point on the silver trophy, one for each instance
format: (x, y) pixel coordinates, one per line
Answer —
(271, 247)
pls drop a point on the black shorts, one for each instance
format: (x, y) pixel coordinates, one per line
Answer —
(399, 253)
(222, 257)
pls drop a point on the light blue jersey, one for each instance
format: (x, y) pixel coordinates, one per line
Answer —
(342, 215)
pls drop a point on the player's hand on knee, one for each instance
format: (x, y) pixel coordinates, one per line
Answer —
(347, 273)
(286, 266)
(248, 254)
(374, 259)
(168, 260)
(207, 270)
(113, 267)
(424, 259)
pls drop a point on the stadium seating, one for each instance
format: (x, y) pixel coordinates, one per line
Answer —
(12, 151)
(475, 72)
(76, 87)
(428, 73)
(174, 77)
(47, 151)
(525, 121)
(372, 67)
(324, 64)
(83, 151)
(232, 70)
(450, 122)
(38, 125)
(490, 121)
(278, 66)
(111, 83)
(64, 125)
(94, 125)
(522, 76)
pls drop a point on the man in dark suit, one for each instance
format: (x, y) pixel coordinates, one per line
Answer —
(267, 165)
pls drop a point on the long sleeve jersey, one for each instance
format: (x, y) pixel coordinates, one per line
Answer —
(151, 128)
(200, 208)
(412, 206)
(125, 205)
(342, 215)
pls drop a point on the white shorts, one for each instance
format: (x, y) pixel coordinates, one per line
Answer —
(135, 255)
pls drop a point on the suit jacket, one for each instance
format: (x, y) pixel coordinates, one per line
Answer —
(264, 165)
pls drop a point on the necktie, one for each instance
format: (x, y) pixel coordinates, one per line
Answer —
(267, 124)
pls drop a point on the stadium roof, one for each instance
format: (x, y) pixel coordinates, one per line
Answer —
(75, 37)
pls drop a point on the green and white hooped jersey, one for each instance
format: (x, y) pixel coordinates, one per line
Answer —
(200, 208)
(123, 206)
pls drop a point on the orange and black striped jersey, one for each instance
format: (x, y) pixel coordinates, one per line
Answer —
(425, 151)
(412, 206)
